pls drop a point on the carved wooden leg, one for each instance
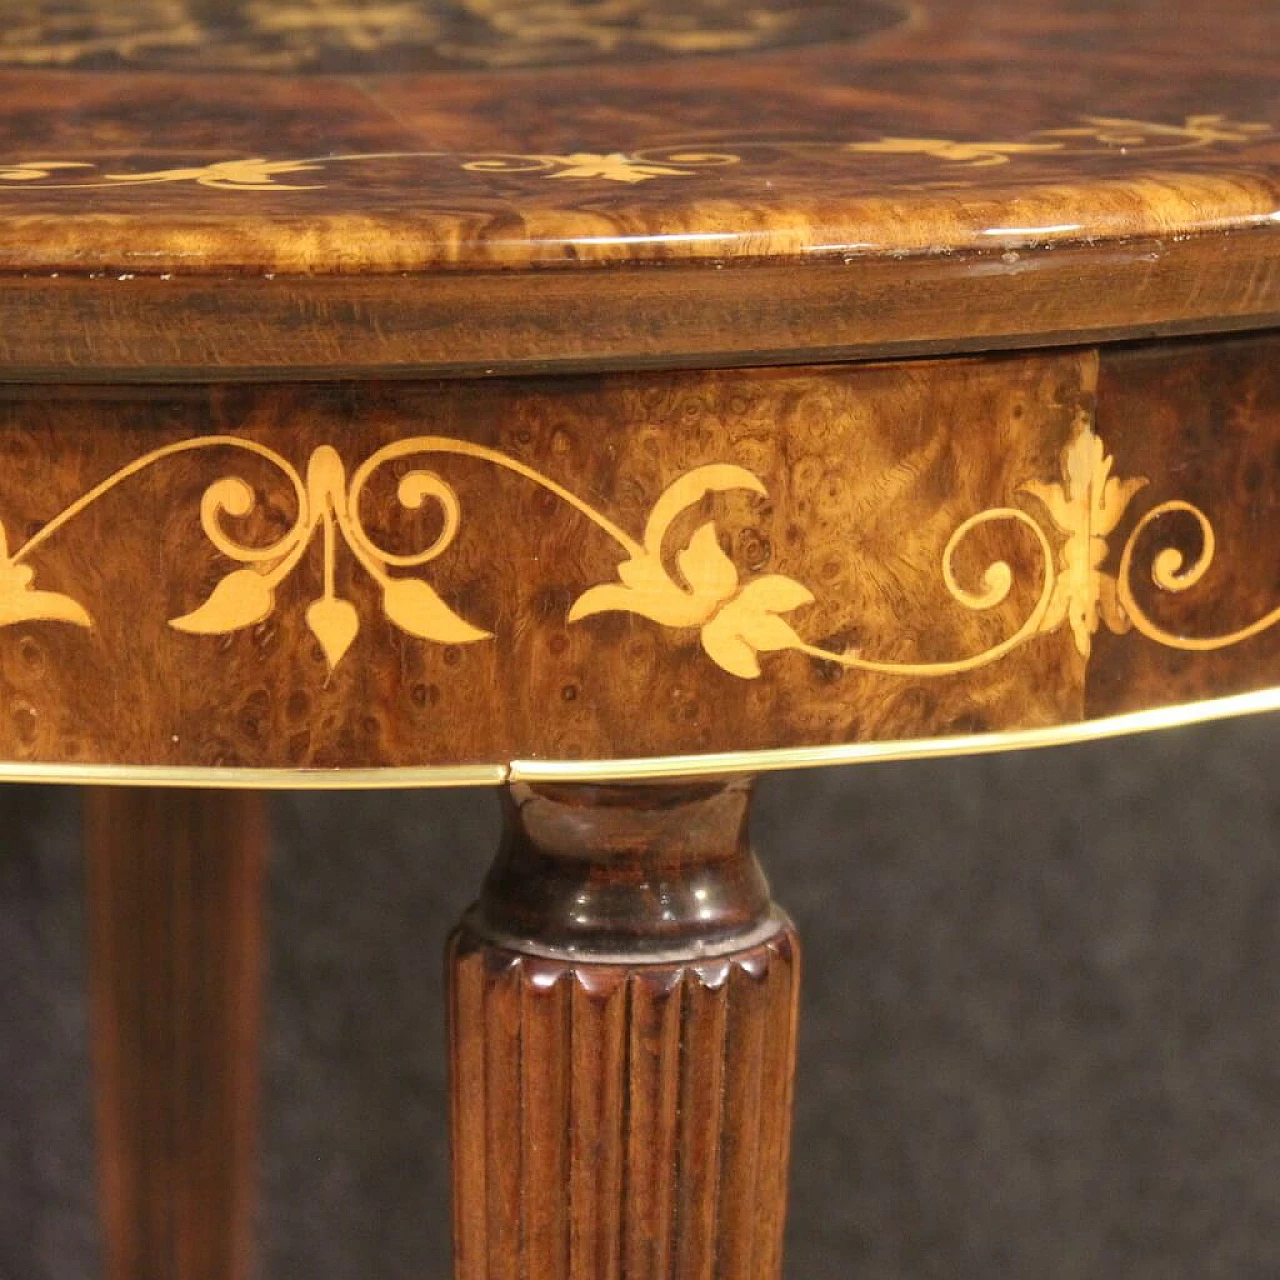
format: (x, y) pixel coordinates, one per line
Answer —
(175, 883)
(623, 1015)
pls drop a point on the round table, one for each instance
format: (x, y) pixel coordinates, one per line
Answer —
(604, 403)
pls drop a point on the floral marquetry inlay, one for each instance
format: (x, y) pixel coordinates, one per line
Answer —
(1095, 136)
(686, 583)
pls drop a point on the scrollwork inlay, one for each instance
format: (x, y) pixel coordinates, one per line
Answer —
(1094, 136)
(693, 587)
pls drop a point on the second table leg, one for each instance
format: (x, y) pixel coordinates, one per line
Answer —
(175, 888)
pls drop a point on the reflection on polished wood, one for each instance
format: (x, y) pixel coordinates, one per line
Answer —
(969, 173)
(623, 1018)
(763, 561)
(1096, 136)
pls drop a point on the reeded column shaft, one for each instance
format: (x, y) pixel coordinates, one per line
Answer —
(623, 1016)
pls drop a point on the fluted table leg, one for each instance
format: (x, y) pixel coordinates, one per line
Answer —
(623, 1016)
(175, 880)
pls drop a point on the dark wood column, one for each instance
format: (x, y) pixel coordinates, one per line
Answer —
(623, 1016)
(175, 880)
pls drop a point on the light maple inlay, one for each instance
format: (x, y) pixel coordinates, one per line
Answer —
(698, 586)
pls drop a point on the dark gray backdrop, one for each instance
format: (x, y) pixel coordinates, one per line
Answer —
(1041, 1037)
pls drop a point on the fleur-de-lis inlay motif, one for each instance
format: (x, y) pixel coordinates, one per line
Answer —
(246, 596)
(616, 166)
(977, 155)
(1087, 506)
(254, 174)
(696, 589)
(1095, 135)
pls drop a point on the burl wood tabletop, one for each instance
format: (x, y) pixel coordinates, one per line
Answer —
(902, 177)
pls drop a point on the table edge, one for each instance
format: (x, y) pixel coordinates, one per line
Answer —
(332, 328)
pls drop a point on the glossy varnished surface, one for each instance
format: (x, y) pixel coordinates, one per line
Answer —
(1215, 407)
(403, 575)
(622, 1006)
(175, 888)
(835, 491)
(619, 1121)
(905, 141)
(951, 144)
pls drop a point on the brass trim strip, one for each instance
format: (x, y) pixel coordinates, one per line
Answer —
(213, 777)
(646, 769)
(714, 765)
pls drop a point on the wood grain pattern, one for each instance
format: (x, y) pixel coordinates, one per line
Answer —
(324, 36)
(415, 574)
(175, 884)
(622, 1077)
(850, 482)
(966, 148)
(324, 328)
(652, 1097)
(279, 566)
(414, 211)
(1216, 408)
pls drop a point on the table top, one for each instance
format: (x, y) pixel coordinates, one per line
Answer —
(277, 523)
(1053, 170)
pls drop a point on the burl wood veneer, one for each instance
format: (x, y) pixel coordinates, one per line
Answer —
(602, 401)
